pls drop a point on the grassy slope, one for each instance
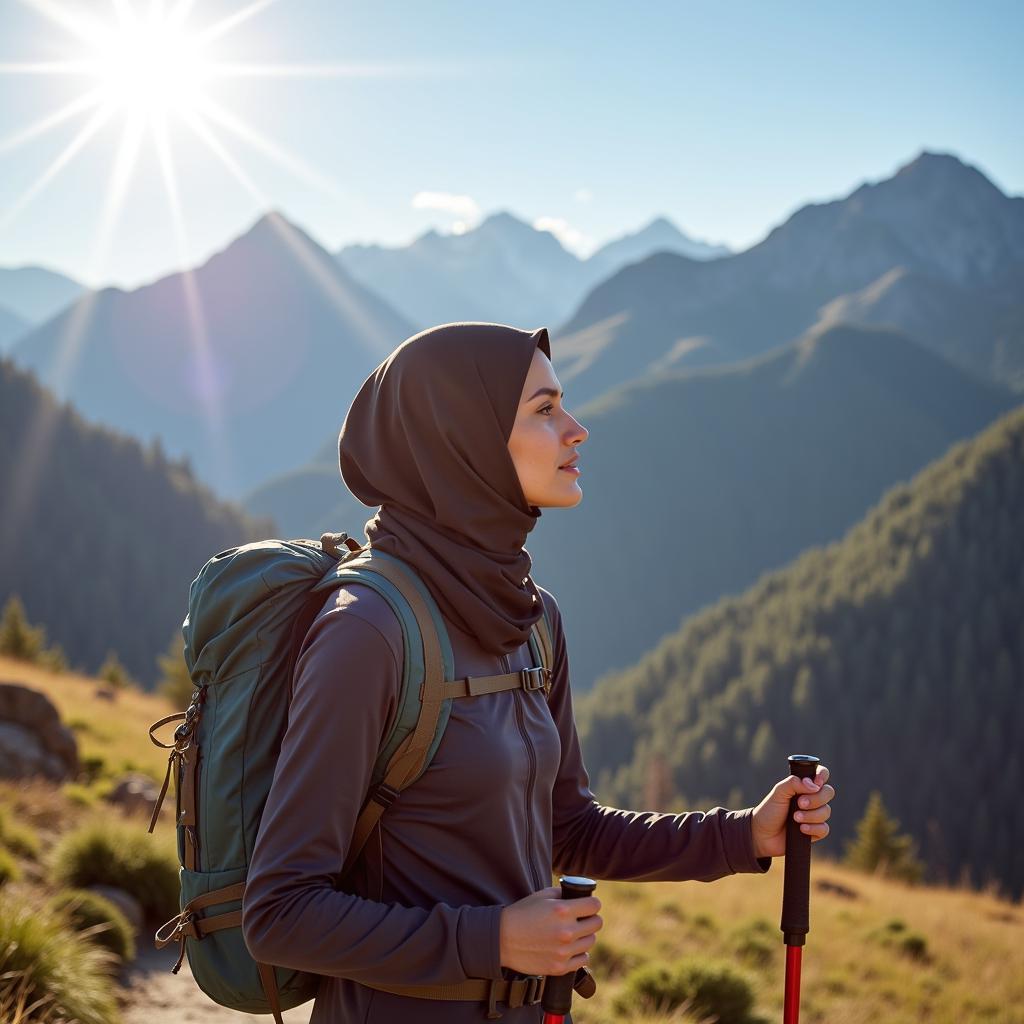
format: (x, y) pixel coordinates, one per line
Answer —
(975, 943)
(974, 969)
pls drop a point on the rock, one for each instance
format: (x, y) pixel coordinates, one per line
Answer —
(134, 792)
(33, 741)
(105, 693)
(124, 901)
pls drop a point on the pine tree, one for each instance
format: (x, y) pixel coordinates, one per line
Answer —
(17, 638)
(175, 682)
(113, 672)
(879, 848)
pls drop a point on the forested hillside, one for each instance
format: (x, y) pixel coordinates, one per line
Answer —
(895, 654)
(100, 536)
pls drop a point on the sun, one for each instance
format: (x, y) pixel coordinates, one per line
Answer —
(151, 67)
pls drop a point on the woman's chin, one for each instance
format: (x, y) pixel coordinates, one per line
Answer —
(562, 498)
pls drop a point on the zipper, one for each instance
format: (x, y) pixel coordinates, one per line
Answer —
(530, 782)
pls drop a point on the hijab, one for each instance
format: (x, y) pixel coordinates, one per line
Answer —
(426, 439)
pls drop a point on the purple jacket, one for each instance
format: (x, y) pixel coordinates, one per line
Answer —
(503, 809)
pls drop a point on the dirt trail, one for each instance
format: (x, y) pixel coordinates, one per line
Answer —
(155, 996)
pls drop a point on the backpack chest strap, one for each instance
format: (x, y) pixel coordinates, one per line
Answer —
(537, 678)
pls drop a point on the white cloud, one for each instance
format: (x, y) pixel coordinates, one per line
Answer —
(463, 207)
(583, 195)
(573, 239)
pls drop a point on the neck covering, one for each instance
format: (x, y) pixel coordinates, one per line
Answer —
(426, 439)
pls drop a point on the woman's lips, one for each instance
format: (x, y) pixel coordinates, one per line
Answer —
(575, 470)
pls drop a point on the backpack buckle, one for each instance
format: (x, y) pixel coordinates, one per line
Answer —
(537, 682)
(386, 795)
(534, 989)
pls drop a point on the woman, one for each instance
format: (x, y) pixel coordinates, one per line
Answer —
(460, 437)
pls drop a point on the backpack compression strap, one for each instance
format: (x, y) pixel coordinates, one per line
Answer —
(409, 760)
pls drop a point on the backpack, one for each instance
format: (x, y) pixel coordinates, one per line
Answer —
(249, 610)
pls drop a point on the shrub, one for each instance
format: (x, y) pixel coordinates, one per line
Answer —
(756, 942)
(42, 963)
(706, 922)
(123, 855)
(9, 870)
(704, 985)
(913, 945)
(93, 767)
(97, 918)
(895, 934)
(80, 795)
(610, 960)
(19, 839)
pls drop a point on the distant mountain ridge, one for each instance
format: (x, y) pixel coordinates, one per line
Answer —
(31, 295)
(895, 654)
(503, 270)
(12, 327)
(937, 228)
(696, 482)
(234, 363)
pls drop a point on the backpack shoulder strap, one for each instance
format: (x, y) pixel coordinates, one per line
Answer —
(409, 760)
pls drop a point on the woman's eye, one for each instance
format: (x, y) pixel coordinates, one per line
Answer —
(545, 408)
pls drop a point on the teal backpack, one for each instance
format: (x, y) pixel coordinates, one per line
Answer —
(248, 612)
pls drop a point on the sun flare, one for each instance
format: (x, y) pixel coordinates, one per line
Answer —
(151, 67)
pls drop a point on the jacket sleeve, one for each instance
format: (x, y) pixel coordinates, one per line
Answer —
(346, 689)
(640, 846)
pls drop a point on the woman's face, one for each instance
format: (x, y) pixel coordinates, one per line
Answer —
(544, 438)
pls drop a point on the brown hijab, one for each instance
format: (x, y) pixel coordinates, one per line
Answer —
(426, 438)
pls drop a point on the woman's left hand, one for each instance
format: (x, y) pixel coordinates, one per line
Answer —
(768, 821)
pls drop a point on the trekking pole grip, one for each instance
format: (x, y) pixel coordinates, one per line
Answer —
(797, 872)
(557, 998)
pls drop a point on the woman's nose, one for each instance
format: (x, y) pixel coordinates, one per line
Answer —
(579, 431)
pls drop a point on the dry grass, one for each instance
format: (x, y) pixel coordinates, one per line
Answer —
(973, 970)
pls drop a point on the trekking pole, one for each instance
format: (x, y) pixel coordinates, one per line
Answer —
(557, 998)
(796, 886)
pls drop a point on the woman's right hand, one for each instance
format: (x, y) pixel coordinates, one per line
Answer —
(541, 934)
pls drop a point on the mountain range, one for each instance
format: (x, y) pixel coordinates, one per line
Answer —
(503, 270)
(936, 251)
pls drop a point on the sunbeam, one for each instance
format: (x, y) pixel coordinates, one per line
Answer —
(198, 338)
(90, 99)
(87, 131)
(225, 25)
(214, 112)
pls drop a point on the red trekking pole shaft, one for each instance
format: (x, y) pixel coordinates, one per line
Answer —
(557, 999)
(796, 887)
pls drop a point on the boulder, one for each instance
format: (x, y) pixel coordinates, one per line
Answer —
(33, 741)
(134, 792)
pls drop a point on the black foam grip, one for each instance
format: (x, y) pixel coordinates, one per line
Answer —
(558, 990)
(796, 883)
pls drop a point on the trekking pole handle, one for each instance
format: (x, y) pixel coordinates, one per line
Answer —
(557, 998)
(797, 872)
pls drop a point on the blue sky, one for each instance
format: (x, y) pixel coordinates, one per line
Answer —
(725, 117)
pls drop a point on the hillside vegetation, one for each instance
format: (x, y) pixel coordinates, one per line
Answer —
(877, 950)
(895, 654)
(101, 535)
